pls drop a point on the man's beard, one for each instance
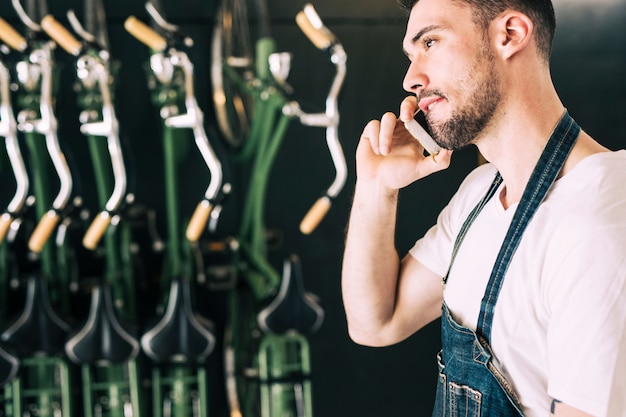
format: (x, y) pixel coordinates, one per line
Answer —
(469, 121)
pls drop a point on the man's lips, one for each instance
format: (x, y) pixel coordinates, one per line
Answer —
(426, 103)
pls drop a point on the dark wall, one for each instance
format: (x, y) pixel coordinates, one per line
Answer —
(349, 380)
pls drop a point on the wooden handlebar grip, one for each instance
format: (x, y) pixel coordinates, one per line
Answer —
(322, 38)
(5, 222)
(96, 230)
(61, 35)
(145, 34)
(42, 232)
(11, 37)
(315, 215)
(198, 221)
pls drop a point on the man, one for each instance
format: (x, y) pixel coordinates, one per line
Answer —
(533, 304)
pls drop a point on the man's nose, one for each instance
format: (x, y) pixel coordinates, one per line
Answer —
(414, 79)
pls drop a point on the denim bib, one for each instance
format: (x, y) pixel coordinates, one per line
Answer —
(470, 383)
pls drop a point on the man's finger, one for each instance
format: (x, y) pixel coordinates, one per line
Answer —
(371, 133)
(387, 127)
(408, 108)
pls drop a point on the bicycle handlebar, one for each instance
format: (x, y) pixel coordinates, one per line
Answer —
(90, 69)
(312, 26)
(96, 230)
(145, 34)
(61, 35)
(8, 130)
(5, 223)
(193, 119)
(12, 37)
(45, 125)
(42, 232)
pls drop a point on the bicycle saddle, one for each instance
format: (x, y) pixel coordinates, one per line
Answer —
(180, 335)
(293, 308)
(102, 339)
(9, 365)
(38, 329)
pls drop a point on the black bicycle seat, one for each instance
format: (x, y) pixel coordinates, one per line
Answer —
(180, 335)
(102, 339)
(9, 366)
(38, 329)
(293, 309)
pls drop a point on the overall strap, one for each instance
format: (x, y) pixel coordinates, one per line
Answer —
(468, 222)
(543, 176)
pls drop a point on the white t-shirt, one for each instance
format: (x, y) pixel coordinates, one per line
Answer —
(559, 328)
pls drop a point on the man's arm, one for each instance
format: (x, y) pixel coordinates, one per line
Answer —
(559, 409)
(386, 300)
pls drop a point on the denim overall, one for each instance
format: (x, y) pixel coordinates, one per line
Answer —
(470, 383)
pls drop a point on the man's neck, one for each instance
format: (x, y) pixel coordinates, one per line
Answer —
(515, 147)
(516, 139)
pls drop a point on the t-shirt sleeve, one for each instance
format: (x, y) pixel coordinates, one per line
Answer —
(586, 337)
(434, 249)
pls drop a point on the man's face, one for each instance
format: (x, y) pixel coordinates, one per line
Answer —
(452, 71)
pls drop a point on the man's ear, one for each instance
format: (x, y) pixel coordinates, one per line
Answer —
(511, 32)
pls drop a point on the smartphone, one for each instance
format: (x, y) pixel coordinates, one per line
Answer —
(418, 132)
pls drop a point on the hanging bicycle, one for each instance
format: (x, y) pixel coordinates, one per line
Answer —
(48, 267)
(181, 340)
(9, 363)
(267, 355)
(104, 347)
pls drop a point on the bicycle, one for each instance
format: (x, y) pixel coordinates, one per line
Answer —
(267, 356)
(9, 363)
(103, 346)
(181, 340)
(43, 384)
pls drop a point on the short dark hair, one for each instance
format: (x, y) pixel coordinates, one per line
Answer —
(541, 12)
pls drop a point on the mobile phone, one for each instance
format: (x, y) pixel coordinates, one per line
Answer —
(419, 133)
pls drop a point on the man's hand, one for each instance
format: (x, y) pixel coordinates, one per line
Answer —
(390, 155)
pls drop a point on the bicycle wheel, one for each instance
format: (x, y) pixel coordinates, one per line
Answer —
(232, 64)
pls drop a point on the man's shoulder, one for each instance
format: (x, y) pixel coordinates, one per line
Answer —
(599, 176)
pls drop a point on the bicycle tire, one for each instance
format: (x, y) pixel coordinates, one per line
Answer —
(232, 49)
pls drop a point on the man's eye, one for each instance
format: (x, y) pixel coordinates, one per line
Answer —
(428, 43)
